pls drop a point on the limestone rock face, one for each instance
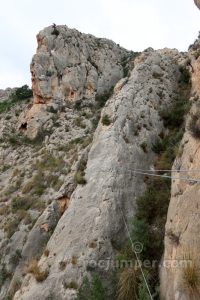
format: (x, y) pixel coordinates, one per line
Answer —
(182, 228)
(183, 223)
(69, 160)
(70, 66)
(92, 229)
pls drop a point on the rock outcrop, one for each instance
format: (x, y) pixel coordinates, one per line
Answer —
(123, 144)
(70, 66)
(70, 159)
(180, 270)
(45, 142)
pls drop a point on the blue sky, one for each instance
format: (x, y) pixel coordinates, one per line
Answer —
(134, 24)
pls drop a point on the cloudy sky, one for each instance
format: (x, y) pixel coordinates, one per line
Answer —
(134, 24)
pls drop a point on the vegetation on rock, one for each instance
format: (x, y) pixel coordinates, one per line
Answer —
(105, 120)
(20, 94)
(148, 226)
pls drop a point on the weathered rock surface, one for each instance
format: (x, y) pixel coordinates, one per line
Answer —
(70, 66)
(94, 213)
(182, 228)
(68, 158)
(41, 170)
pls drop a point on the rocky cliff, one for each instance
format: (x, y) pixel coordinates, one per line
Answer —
(71, 161)
(180, 271)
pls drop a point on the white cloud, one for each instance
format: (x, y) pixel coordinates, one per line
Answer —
(134, 24)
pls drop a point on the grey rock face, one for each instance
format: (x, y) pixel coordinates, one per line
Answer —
(182, 227)
(41, 171)
(69, 67)
(180, 270)
(68, 167)
(72, 65)
(92, 229)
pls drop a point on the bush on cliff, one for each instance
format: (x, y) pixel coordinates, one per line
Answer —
(20, 94)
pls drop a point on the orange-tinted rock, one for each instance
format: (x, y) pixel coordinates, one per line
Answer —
(63, 204)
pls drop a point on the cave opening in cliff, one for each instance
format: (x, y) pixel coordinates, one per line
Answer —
(23, 126)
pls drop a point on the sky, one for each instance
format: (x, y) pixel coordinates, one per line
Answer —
(134, 24)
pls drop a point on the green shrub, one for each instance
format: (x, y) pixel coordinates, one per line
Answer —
(79, 123)
(158, 146)
(39, 189)
(5, 106)
(168, 149)
(70, 285)
(84, 291)
(49, 162)
(51, 109)
(80, 177)
(157, 75)
(144, 147)
(141, 234)
(62, 265)
(95, 120)
(87, 141)
(23, 92)
(194, 126)
(46, 176)
(147, 229)
(4, 274)
(77, 104)
(19, 203)
(105, 120)
(155, 200)
(8, 117)
(49, 73)
(173, 117)
(20, 139)
(80, 174)
(39, 139)
(97, 289)
(185, 75)
(164, 162)
(13, 140)
(127, 62)
(93, 290)
(15, 258)
(142, 288)
(28, 187)
(56, 183)
(102, 98)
